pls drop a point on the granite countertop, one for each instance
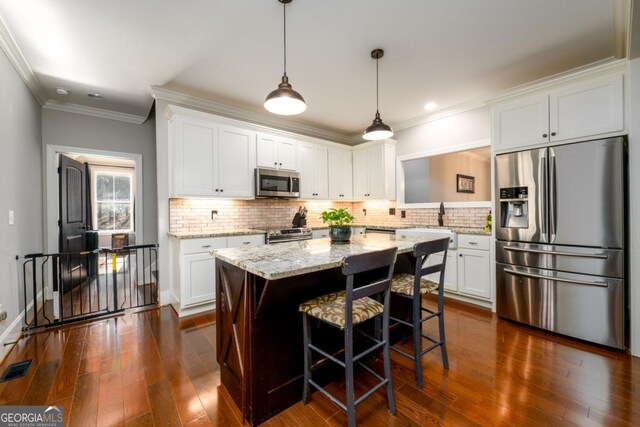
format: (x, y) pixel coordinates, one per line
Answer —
(291, 259)
(458, 230)
(221, 233)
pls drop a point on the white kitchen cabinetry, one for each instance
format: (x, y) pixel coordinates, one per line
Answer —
(584, 109)
(197, 268)
(474, 263)
(235, 162)
(450, 271)
(195, 145)
(374, 171)
(276, 152)
(212, 160)
(340, 174)
(314, 172)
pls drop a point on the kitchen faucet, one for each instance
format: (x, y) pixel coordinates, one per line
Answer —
(440, 215)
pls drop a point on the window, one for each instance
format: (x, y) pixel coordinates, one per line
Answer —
(113, 201)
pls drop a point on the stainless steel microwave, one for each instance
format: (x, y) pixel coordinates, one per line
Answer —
(277, 183)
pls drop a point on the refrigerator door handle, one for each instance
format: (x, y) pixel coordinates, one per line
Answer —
(553, 196)
(542, 192)
(571, 254)
(555, 279)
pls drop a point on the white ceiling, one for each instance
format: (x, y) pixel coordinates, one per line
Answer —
(449, 52)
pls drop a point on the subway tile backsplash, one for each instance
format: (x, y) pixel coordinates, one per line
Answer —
(195, 215)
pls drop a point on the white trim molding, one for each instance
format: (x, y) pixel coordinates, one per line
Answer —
(52, 104)
(242, 114)
(17, 59)
(430, 153)
(51, 190)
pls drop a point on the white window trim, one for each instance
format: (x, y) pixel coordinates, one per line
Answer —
(94, 171)
(436, 152)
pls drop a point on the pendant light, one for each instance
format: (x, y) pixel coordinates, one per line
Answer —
(284, 100)
(378, 129)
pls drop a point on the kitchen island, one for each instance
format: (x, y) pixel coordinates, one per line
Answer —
(259, 329)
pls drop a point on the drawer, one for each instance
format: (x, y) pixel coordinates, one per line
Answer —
(249, 240)
(470, 241)
(194, 246)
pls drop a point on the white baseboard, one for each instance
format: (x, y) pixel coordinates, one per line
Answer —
(14, 332)
(469, 300)
(190, 311)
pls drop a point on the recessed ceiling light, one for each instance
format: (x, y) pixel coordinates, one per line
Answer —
(95, 96)
(62, 91)
(430, 106)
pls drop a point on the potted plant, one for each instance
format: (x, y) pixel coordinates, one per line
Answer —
(338, 221)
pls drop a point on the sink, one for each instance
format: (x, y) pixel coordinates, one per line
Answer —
(431, 232)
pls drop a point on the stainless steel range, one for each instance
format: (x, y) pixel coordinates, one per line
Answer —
(282, 235)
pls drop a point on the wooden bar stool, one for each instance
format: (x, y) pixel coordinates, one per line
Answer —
(413, 286)
(344, 310)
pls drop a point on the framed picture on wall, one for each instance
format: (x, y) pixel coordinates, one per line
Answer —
(465, 184)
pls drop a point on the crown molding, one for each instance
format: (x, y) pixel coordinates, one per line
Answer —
(246, 115)
(94, 112)
(17, 59)
(599, 68)
(440, 114)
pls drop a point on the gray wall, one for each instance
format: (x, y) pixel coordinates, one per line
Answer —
(634, 199)
(81, 131)
(20, 188)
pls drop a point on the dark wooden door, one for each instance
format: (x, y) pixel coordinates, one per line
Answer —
(73, 221)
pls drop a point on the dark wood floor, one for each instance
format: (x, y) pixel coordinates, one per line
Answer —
(150, 368)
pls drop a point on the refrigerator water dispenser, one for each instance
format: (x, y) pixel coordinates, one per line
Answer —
(514, 207)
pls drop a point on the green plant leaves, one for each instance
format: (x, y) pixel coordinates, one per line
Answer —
(337, 217)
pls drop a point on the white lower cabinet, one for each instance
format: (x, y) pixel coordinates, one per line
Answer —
(198, 270)
(474, 266)
(198, 267)
(450, 271)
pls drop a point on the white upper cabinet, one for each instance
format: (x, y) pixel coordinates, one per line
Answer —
(236, 162)
(589, 108)
(212, 160)
(340, 174)
(374, 171)
(522, 122)
(276, 152)
(586, 109)
(195, 145)
(313, 166)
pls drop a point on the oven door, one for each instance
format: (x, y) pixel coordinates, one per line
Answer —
(275, 183)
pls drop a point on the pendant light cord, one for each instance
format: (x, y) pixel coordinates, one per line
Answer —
(377, 87)
(284, 13)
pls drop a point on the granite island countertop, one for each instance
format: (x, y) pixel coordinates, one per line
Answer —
(294, 258)
(459, 230)
(219, 233)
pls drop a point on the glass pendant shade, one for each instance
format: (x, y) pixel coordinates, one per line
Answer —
(377, 130)
(284, 100)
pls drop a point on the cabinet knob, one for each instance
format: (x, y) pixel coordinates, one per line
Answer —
(280, 164)
(544, 135)
(217, 190)
(553, 134)
(221, 190)
(275, 163)
(460, 255)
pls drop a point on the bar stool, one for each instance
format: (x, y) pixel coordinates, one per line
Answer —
(413, 286)
(344, 310)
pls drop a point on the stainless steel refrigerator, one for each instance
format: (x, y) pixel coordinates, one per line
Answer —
(560, 231)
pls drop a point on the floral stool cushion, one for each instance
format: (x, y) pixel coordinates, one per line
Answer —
(403, 284)
(330, 308)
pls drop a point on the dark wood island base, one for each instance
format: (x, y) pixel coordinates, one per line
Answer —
(259, 335)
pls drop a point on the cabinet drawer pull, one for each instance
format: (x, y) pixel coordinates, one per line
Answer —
(473, 243)
(206, 246)
(246, 243)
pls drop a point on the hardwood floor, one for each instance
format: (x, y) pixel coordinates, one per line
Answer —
(150, 368)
